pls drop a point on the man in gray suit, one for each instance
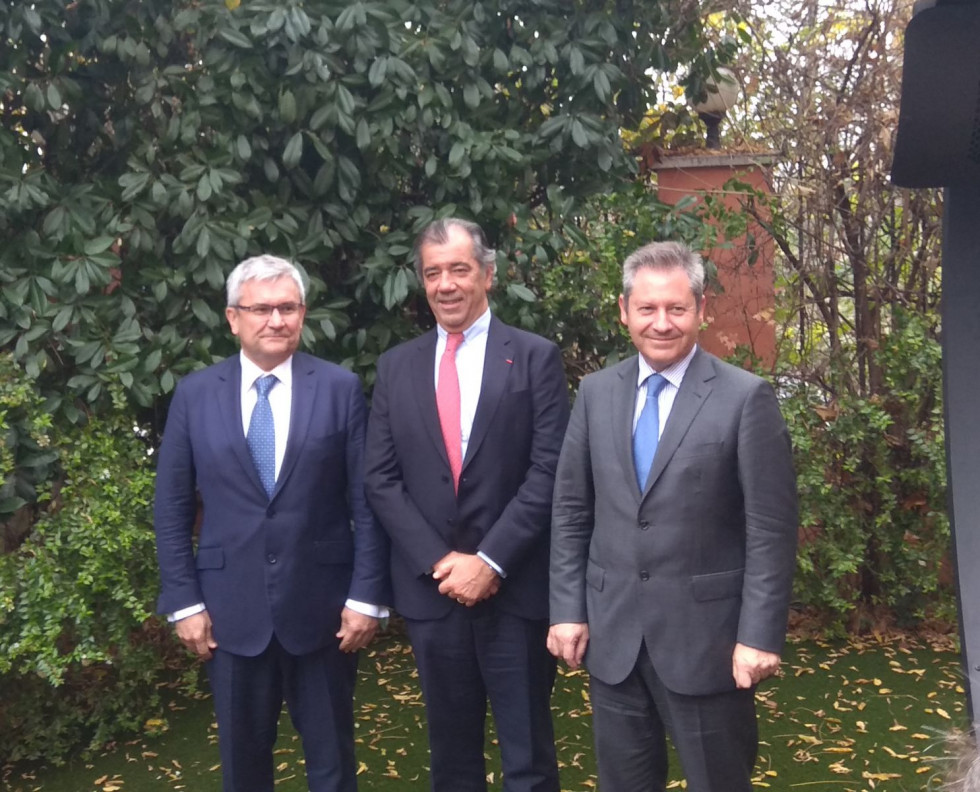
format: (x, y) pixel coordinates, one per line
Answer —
(673, 541)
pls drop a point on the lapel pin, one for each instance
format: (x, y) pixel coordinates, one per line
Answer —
(511, 362)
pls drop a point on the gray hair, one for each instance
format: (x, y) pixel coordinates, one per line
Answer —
(262, 268)
(665, 256)
(437, 233)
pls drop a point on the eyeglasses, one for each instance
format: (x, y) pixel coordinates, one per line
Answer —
(264, 311)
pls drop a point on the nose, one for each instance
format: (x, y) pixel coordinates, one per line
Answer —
(446, 282)
(661, 320)
(275, 318)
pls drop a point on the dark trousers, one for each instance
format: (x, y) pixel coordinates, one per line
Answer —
(318, 689)
(466, 657)
(716, 736)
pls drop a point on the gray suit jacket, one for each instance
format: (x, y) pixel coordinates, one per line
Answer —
(704, 556)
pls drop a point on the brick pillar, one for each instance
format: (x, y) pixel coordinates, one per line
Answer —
(742, 313)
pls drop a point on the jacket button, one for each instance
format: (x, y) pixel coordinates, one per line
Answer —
(445, 479)
(271, 558)
(270, 512)
(644, 526)
(644, 575)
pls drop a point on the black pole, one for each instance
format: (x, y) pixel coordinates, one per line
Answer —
(961, 374)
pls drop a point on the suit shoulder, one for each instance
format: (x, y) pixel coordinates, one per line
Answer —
(324, 368)
(735, 375)
(405, 348)
(604, 377)
(205, 377)
(524, 338)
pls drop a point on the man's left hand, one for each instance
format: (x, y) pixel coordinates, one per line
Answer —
(750, 666)
(356, 630)
(466, 578)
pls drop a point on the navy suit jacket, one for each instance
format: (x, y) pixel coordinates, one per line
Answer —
(285, 565)
(503, 507)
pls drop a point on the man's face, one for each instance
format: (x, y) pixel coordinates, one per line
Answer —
(455, 286)
(662, 315)
(267, 340)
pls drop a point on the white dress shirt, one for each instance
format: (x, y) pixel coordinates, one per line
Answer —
(470, 356)
(674, 374)
(280, 400)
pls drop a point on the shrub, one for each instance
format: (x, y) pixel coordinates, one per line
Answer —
(872, 481)
(79, 652)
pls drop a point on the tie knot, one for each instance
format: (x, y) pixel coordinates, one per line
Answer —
(453, 340)
(264, 384)
(655, 384)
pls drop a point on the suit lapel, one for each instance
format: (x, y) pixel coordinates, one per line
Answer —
(300, 415)
(621, 420)
(230, 403)
(693, 393)
(423, 376)
(497, 365)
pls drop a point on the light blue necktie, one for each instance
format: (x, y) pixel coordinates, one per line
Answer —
(261, 435)
(646, 434)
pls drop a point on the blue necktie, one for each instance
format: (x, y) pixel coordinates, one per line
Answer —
(646, 435)
(261, 435)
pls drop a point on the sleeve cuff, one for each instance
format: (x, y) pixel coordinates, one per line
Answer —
(376, 611)
(491, 563)
(183, 613)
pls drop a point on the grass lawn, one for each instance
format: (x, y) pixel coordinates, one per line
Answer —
(844, 717)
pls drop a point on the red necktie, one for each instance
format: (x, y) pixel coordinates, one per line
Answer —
(447, 402)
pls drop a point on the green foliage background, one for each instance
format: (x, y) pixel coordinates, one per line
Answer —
(79, 655)
(149, 146)
(146, 146)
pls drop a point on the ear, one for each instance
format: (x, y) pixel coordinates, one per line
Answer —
(491, 271)
(623, 313)
(232, 316)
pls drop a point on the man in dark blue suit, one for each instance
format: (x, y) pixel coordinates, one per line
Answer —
(465, 430)
(290, 572)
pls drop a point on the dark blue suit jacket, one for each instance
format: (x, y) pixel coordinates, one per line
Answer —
(503, 507)
(284, 566)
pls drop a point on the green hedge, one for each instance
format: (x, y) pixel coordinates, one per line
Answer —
(871, 473)
(80, 655)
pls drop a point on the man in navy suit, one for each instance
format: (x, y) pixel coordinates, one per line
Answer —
(461, 459)
(290, 572)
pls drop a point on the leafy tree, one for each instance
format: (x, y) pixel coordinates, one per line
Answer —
(860, 352)
(146, 147)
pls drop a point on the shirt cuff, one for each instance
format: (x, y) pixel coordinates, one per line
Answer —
(491, 563)
(183, 613)
(376, 611)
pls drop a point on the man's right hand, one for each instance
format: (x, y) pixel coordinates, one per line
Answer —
(568, 642)
(466, 578)
(195, 633)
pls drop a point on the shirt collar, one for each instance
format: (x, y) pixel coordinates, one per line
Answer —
(674, 373)
(251, 372)
(478, 328)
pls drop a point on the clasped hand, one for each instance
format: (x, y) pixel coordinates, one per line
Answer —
(466, 578)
